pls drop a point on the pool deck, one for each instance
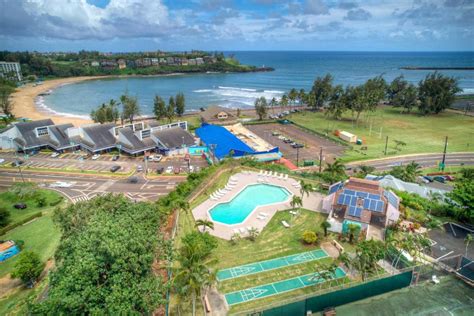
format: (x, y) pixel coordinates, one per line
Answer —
(312, 202)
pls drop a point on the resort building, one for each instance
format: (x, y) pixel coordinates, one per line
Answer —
(361, 202)
(10, 70)
(133, 139)
(218, 115)
(222, 143)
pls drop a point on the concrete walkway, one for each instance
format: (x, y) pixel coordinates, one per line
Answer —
(241, 180)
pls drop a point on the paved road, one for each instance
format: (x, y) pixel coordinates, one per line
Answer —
(86, 187)
(425, 160)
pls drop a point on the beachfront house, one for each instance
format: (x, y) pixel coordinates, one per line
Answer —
(122, 64)
(218, 115)
(10, 70)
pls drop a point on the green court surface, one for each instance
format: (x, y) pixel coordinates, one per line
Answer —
(262, 266)
(279, 287)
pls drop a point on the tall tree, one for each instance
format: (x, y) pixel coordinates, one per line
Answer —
(337, 102)
(301, 97)
(296, 201)
(170, 109)
(306, 188)
(406, 98)
(159, 107)
(6, 106)
(395, 87)
(366, 97)
(284, 101)
(321, 91)
(180, 104)
(205, 224)
(130, 107)
(292, 96)
(261, 107)
(273, 104)
(28, 268)
(436, 93)
(106, 112)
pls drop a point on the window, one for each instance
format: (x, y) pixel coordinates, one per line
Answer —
(41, 131)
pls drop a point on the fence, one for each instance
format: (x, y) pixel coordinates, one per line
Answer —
(376, 286)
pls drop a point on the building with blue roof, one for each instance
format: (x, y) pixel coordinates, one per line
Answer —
(222, 143)
(361, 201)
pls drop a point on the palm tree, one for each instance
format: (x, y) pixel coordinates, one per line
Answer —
(204, 223)
(293, 95)
(273, 104)
(301, 97)
(325, 225)
(353, 230)
(296, 201)
(467, 241)
(365, 170)
(305, 188)
(336, 168)
(284, 101)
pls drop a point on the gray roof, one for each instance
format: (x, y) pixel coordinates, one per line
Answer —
(174, 137)
(210, 114)
(390, 181)
(27, 131)
(137, 144)
(100, 135)
(59, 132)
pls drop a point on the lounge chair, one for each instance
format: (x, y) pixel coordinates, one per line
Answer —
(260, 173)
(280, 176)
(293, 213)
(263, 214)
(284, 223)
(242, 230)
(249, 228)
(286, 177)
(260, 217)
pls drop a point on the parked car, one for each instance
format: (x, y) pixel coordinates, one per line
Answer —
(423, 180)
(427, 178)
(449, 178)
(61, 184)
(155, 158)
(296, 145)
(160, 170)
(191, 169)
(17, 163)
(287, 140)
(439, 179)
(132, 179)
(2, 160)
(95, 157)
(115, 157)
(169, 169)
(55, 154)
(140, 168)
(115, 168)
(20, 206)
(276, 133)
(177, 170)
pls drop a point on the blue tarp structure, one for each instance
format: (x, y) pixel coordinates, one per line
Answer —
(10, 252)
(223, 141)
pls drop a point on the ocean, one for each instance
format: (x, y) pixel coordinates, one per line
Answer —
(293, 69)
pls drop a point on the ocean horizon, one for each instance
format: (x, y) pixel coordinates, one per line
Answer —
(293, 69)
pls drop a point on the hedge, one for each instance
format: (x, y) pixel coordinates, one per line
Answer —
(56, 201)
(5, 229)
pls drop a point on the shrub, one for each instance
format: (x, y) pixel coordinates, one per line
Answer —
(4, 217)
(25, 220)
(40, 201)
(253, 234)
(56, 201)
(28, 268)
(309, 237)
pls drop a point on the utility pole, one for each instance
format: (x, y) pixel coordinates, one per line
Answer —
(320, 159)
(386, 145)
(297, 157)
(443, 163)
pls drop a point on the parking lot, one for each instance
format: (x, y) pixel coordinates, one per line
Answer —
(76, 161)
(312, 143)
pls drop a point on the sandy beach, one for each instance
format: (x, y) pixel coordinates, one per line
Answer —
(23, 100)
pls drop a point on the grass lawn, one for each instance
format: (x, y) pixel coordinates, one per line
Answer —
(15, 303)
(8, 199)
(422, 134)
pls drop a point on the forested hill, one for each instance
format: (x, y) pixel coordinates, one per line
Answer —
(93, 63)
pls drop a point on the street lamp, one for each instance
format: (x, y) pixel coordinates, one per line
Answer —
(17, 162)
(297, 156)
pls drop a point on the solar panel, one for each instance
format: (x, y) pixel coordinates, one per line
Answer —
(373, 204)
(366, 203)
(358, 211)
(379, 207)
(374, 196)
(362, 194)
(334, 188)
(349, 192)
(340, 199)
(392, 198)
(354, 201)
(347, 200)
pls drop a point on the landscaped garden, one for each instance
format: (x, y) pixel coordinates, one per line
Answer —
(407, 133)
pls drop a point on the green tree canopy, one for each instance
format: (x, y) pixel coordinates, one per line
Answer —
(321, 91)
(28, 268)
(131, 108)
(261, 107)
(106, 113)
(437, 93)
(180, 104)
(159, 107)
(170, 109)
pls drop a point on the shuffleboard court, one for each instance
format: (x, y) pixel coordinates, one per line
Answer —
(262, 266)
(279, 287)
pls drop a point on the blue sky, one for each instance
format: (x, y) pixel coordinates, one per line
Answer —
(133, 25)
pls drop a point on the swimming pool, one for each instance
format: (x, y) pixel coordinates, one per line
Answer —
(237, 210)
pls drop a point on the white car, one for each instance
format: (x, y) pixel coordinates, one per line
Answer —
(169, 169)
(156, 158)
(95, 157)
(139, 168)
(55, 154)
(191, 169)
(2, 160)
(60, 184)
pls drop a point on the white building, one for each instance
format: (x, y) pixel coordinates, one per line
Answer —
(10, 70)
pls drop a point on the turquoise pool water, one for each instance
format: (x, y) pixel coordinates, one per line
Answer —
(237, 210)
